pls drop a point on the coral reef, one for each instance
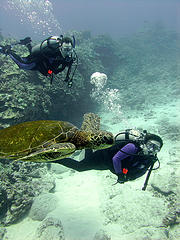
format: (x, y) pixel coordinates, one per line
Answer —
(148, 68)
(101, 235)
(2, 233)
(20, 183)
(50, 228)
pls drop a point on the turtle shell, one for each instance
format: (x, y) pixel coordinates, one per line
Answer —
(27, 137)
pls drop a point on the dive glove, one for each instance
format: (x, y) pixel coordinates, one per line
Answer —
(121, 178)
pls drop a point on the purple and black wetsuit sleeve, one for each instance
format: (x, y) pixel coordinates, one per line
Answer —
(129, 148)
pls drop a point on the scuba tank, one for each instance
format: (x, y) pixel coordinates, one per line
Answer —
(47, 47)
(133, 136)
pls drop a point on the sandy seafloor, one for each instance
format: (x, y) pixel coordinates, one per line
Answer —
(88, 202)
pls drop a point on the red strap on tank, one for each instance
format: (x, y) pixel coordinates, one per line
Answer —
(125, 171)
(50, 71)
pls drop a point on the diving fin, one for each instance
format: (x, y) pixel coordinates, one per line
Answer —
(5, 49)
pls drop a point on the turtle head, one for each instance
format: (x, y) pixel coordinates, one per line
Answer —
(101, 139)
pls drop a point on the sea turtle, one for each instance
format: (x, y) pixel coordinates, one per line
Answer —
(48, 140)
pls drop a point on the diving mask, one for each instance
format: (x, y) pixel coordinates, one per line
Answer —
(66, 49)
(153, 146)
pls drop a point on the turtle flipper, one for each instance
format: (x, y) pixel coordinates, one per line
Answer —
(53, 152)
(91, 122)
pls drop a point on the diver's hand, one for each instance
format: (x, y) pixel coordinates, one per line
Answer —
(70, 84)
(67, 79)
(121, 178)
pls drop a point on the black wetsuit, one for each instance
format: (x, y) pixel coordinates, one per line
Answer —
(54, 62)
(102, 160)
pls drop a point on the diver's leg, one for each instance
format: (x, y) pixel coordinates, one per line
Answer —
(26, 42)
(71, 163)
(42, 67)
(88, 153)
(91, 161)
(29, 47)
(23, 63)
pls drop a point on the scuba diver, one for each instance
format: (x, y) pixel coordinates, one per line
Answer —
(133, 154)
(51, 56)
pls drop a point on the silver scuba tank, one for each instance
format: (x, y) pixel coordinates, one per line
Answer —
(47, 47)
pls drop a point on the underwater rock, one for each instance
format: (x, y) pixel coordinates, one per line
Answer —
(172, 218)
(128, 208)
(3, 200)
(42, 205)
(2, 233)
(174, 233)
(20, 183)
(147, 233)
(50, 228)
(20, 204)
(101, 235)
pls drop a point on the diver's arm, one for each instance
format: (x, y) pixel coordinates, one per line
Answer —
(68, 72)
(129, 148)
(59, 69)
(62, 67)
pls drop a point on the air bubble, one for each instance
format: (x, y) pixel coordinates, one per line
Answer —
(43, 16)
(108, 98)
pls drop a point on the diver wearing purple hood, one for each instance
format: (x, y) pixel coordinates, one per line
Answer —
(132, 155)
